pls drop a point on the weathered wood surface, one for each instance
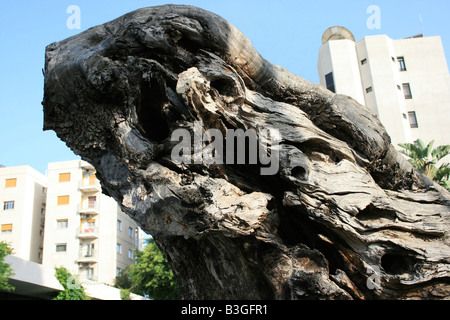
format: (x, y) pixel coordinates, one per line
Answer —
(345, 217)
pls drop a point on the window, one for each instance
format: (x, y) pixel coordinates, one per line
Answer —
(136, 238)
(119, 248)
(407, 91)
(8, 205)
(330, 82)
(92, 201)
(10, 183)
(7, 228)
(92, 179)
(89, 249)
(130, 232)
(118, 271)
(130, 254)
(90, 273)
(369, 89)
(89, 178)
(363, 62)
(401, 63)
(64, 177)
(91, 223)
(119, 225)
(63, 200)
(62, 223)
(413, 119)
(61, 247)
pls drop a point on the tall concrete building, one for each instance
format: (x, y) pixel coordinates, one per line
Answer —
(405, 82)
(85, 231)
(22, 211)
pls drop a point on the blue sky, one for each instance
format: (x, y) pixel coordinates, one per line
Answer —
(285, 32)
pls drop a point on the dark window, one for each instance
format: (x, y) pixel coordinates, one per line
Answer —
(363, 62)
(413, 119)
(61, 247)
(92, 201)
(401, 63)
(369, 89)
(8, 205)
(7, 228)
(407, 91)
(330, 82)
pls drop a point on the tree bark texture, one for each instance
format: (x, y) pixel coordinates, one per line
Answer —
(345, 217)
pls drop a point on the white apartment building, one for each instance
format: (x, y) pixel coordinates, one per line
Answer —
(85, 231)
(22, 201)
(405, 82)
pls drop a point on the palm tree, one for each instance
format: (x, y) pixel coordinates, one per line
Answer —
(425, 159)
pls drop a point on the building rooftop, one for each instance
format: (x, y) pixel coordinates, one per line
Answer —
(33, 281)
(337, 33)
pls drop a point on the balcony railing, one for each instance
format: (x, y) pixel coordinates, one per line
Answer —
(89, 206)
(91, 210)
(90, 188)
(87, 255)
(88, 278)
(87, 232)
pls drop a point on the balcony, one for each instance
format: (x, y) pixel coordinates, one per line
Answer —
(87, 232)
(85, 277)
(87, 255)
(90, 211)
(89, 182)
(90, 206)
(90, 188)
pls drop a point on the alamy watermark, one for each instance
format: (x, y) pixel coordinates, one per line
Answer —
(373, 282)
(74, 20)
(73, 283)
(242, 147)
(374, 20)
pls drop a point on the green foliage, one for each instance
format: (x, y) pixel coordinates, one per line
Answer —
(152, 275)
(125, 294)
(425, 159)
(72, 288)
(123, 280)
(6, 271)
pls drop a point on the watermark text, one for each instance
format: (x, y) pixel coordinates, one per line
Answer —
(74, 20)
(242, 147)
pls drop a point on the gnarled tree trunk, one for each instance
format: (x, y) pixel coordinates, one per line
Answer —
(344, 217)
